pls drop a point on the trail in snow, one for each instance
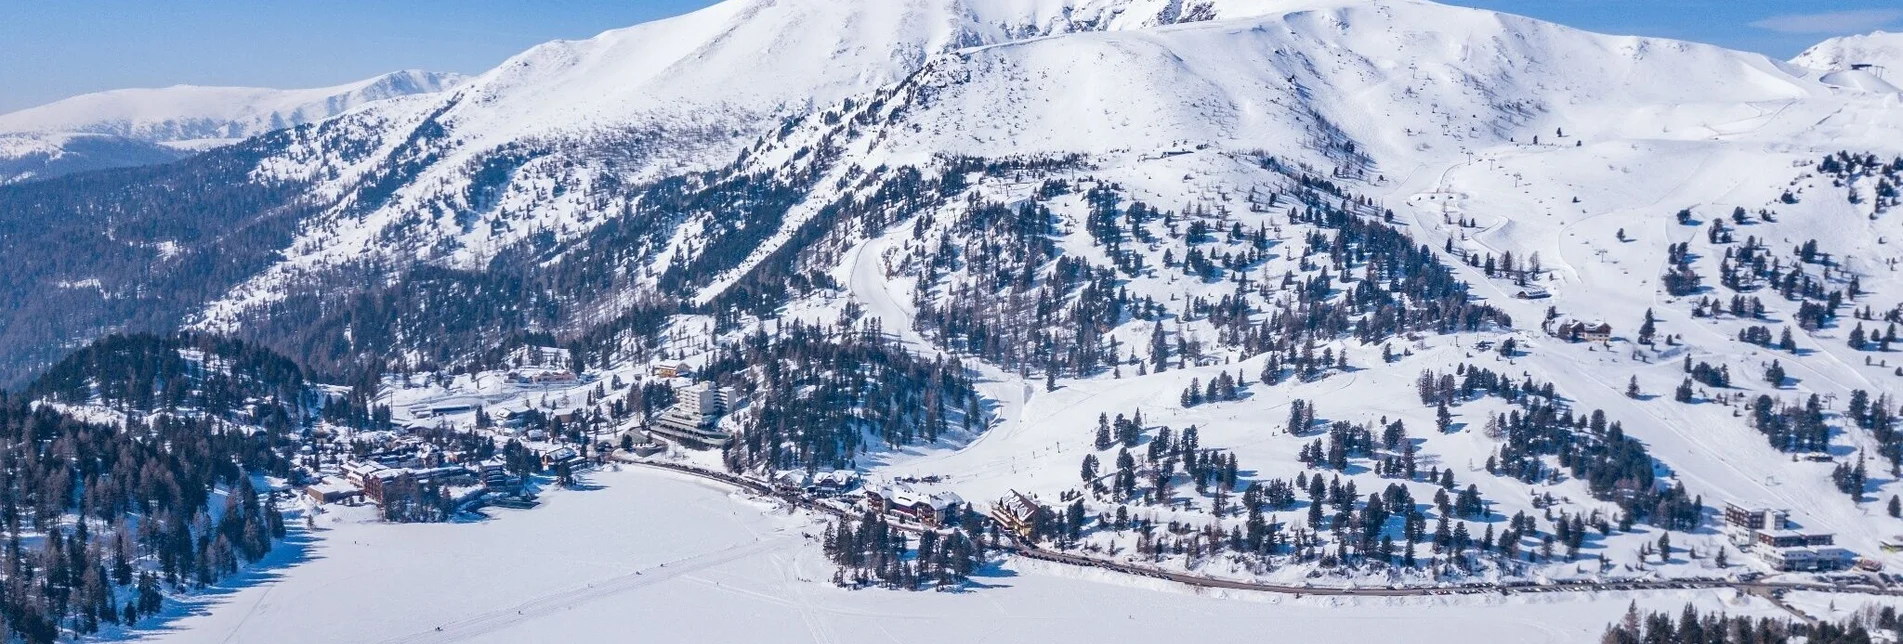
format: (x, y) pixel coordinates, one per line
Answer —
(539, 607)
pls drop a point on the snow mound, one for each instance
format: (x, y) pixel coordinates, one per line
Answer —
(1858, 79)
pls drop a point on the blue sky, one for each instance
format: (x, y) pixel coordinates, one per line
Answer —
(50, 49)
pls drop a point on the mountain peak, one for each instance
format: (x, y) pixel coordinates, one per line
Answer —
(1877, 48)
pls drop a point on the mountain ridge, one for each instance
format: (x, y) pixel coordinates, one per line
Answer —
(196, 115)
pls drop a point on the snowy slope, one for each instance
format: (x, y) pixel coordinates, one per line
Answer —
(637, 104)
(1547, 139)
(687, 93)
(1405, 80)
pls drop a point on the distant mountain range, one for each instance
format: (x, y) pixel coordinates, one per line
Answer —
(130, 127)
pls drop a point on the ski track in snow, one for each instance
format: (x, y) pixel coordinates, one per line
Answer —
(545, 605)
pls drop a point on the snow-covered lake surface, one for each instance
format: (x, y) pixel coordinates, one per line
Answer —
(653, 557)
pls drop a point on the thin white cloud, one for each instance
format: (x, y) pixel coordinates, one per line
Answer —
(1831, 22)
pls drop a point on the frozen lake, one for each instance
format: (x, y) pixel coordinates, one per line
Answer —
(654, 557)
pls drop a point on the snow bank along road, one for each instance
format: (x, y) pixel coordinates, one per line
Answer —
(1031, 551)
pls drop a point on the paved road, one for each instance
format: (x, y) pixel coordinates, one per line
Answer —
(1030, 551)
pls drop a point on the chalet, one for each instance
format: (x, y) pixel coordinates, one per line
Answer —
(790, 482)
(514, 418)
(834, 483)
(494, 472)
(669, 369)
(560, 456)
(1532, 293)
(553, 378)
(1575, 331)
(909, 505)
(1596, 332)
(1016, 513)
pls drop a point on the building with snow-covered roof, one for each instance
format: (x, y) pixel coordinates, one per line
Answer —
(834, 483)
(669, 369)
(1802, 559)
(357, 472)
(909, 504)
(331, 492)
(1572, 330)
(494, 472)
(1015, 513)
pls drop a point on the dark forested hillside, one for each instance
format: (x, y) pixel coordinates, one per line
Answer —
(132, 249)
(214, 375)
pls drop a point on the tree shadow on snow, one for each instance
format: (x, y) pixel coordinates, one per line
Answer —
(296, 549)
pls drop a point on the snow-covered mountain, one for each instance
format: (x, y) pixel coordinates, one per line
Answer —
(1880, 48)
(1868, 62)
(1417, 82)
(130, 127)
(1338, 197)
(192, 116)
